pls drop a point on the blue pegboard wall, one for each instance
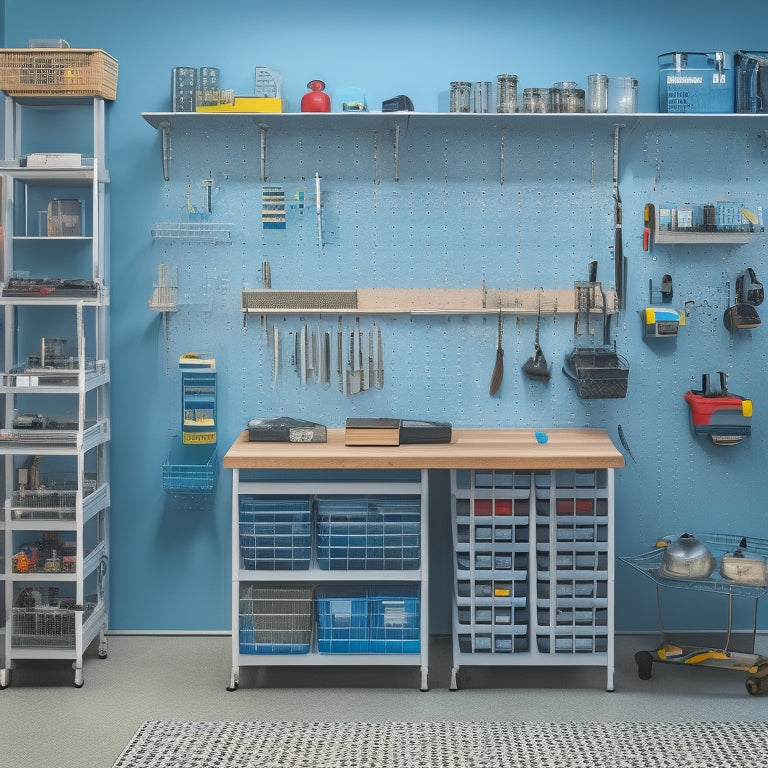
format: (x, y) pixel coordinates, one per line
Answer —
(517, 205)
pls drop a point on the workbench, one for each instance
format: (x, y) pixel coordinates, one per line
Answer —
(487, 467)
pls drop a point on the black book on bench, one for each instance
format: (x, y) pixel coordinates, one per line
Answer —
(414, 431)
(284, 429)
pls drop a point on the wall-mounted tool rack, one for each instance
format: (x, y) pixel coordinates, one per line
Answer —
(424, 301)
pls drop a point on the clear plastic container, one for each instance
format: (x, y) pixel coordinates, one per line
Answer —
(622, 94)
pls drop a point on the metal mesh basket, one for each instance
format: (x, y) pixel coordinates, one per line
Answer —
(276, 619)
(47, 626)
(597, 372)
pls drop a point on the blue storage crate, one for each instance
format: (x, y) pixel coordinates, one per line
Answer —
(374, 533)
(360, 619)
(395, 619)
(276, 619)
(275, 533)
(342, 620)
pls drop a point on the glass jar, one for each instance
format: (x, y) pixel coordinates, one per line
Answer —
(481, 96)
(460, 98)
(506, 94)
(536, 100)
(597, 93)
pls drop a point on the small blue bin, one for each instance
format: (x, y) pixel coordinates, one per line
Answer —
(189, 468)
(395, 619)
(275, 533)
(376, 533)
(696, 82)
(342, 620)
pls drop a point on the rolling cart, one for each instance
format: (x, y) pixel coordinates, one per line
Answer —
(720, 545)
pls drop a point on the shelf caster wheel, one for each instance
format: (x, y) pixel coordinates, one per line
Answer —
(234, 687)
(102, 654)
(756, 685)
(644, 662)
(80, 684)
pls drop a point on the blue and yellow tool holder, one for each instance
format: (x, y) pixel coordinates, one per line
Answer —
(198, 399)
(661, 322)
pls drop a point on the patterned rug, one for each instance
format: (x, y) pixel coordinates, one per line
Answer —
(168, 744)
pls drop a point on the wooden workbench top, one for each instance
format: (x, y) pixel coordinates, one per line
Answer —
(468, 449)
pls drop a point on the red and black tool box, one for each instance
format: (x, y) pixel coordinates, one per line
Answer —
(725, 417)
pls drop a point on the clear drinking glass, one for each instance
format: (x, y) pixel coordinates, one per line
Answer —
(597, 93)
(622, 94)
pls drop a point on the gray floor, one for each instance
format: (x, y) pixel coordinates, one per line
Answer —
(46, 721)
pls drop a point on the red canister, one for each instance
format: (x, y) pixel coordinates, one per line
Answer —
(316, 100)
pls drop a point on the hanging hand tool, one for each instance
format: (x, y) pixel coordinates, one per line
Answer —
(302, 353)
(536, 367)
(378, 367)
(647, 226)
(618, 247)
(370, 374)
(325, 359)
(263, 128)
(498, 368)
(275, 355)
(318, 207)
(353, 374)
(207, 186)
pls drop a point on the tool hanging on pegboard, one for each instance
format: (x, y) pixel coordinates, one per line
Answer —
(359, 357)
(620, 263)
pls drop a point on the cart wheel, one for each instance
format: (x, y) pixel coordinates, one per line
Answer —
(102, 654)
(756, 685)
(233, 687)
(80, 684)
(644, 662)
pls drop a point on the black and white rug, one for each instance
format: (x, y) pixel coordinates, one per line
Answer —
(169, 744)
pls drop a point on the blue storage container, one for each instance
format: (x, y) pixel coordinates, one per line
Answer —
(395, 619)
(275, 533)
(696, 82)
(374, 533)
(342, 619)
(368, 619)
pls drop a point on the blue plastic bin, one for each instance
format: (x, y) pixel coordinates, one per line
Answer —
(377, 533)
(342, 619)
(395, 619)
(275, 533)
(372, 619)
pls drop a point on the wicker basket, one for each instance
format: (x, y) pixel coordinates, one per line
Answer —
(58, 72)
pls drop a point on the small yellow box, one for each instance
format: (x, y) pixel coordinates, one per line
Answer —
(247, 104)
